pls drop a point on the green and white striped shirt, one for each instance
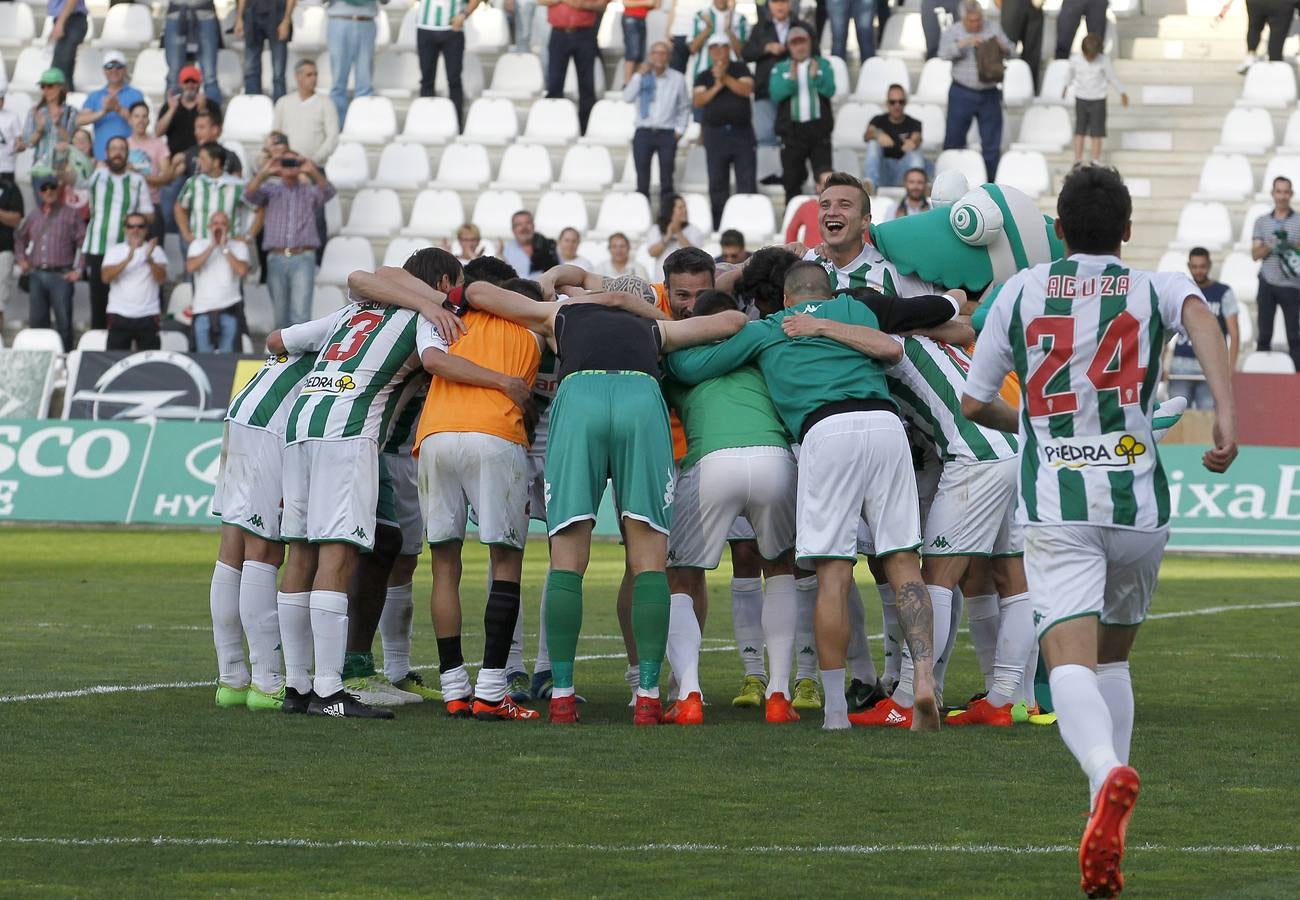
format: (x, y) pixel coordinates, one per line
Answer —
(401, 437)
(870, 269)
(437, 14)
(720, 19)
(112, 199)
(1085, 335)
(927, 384)
(202, 196)
(266, 400)
(789, 81)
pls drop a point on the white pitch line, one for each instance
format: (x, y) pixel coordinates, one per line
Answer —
(695, 848)
(143, 688)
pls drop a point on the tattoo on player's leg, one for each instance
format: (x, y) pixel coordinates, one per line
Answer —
(917, 618)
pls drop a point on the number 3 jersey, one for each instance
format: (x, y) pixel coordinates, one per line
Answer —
(1085, 336)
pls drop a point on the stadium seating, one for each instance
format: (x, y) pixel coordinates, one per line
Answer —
(627, 212)
(586, 168)
(375, 212)
(38, 339)
(1270, 84)
(553, 122)
(751, 215)
(699, 211)
(1283, 165)
(88, 71)
(370, 120)
(1018, 85)
(934, 124)
(17, 25)
(492, 212)
(851, 123)
(1241, 273)
(875, 77)
(463, 167)
(557, 210)
(43, 40)
(93, 339)
(1253, 212)
(517, 76)
(1203, 224)
(348, 168)
(968, 162)
(435, 214)
(1225, 177)
(248, 118)
(343, 256)
(491, 122)
(1268, 361)
(486, 30)
(1055, 75)
(149, 73)
(1025, 170)
(936, 78)
(308, 29)
(396, 75)
(402, 166)
(1046, 129)
(174, 341)
(612, 123)
(840, 70)
(571, 81)
(1246, 129)
(258, 313)
(327, 299)
(128, 26)
(399, 249)
(903, 36)
(178, 305)
(1172, 261)
(524, 167)
(430, 121)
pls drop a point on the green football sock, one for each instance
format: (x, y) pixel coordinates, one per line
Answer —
(358, 664)
(563, 622)
(650, 624)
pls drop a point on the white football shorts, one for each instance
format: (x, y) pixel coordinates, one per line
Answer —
(459, 469)
(331, 490)
(248, 490)
(974, 510)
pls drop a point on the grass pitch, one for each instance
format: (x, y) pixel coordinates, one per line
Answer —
(147, 789)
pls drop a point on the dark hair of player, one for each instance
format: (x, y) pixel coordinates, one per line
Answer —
(731, 238)
(807, 279)
(529, 288)
(430, 265)
(1198, 251)
(490, 269)
(764, 275)
(708, 303)
(1094, 208)
(844, 179)
(688, 261)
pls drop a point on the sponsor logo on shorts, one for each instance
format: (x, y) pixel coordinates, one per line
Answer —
(359, 532)
(670, 488)
(1038, 617)
(1102, 451)
(326, 383)
(256, 521)
(940, 543)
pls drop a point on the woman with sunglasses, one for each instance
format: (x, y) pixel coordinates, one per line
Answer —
(50, 124)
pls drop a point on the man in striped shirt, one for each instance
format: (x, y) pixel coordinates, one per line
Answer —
(440, 31)
(802, 87)
(115, 192)
(718, 18)
(209, 190)
(1084, 335)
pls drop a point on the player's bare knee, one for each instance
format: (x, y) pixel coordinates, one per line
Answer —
(507, 562)
(257, 550)
(403, 570)
(782, 565)
(746, 561)
(1009, 576)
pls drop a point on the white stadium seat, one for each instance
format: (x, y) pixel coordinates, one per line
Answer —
(936, 78)
(610, 34)
(557, 210)
(486, 30)
(370, 120)
(968, 162)
(435, 214)
(430, 120)
(248, 118)
(1246, 129)
(375, 212)
(383, 31)
(1172, 261)
(403, 166)
(491, 121)
(464, 167)
(524, 167)
(38, 339)
(1270, 84)
(32, 61)
(553, 122)
(308, 29)
(586, 167)
(843, 84)
(903, 36)
(1204, 224)
(88, 71)
(1291, 137)
(178, 305)
(1225, 176)
(397, 74)
(628, 212)
(612, 123)
(1284, 165)
(399, 249)
(698, 210)
(230, 71)
(175, 341)
(128, 26)
(149, 73)
(492, 212)
(851, 123)
(1046, 129)
(1268, 361)
(258, 313)
(92, 31)
(751, 215)
(1018, 84)
(1025, 170)
(1241, 273)
(348, 168)
(96, 338)
(571, 80)
(342, 257)
(17, 25)
(934, 124)
(517, 76)
(407, 30)
(1054, 78)
(877, 74)
(328, 298)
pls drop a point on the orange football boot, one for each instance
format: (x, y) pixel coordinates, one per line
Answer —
(459, 709)
(564, 710)
(1102, 849)
(981, 712)
(505, 710)
(778, 709)
(687, 711)
(885, 714)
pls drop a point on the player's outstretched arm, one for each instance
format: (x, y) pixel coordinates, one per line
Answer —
(455, 368)
(566, 277)
(274, 342)
(624, 301)
(398, 287)
(538, 317)
(862, 338)
(897, 315)
(699, 329)
(1212, 353)
(957, 330)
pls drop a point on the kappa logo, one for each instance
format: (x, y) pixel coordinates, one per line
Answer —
(1096, 452)
(941, 543)
(750, 650)
(256, 521)
(1038, 618)
(807, 651)
(359, 532)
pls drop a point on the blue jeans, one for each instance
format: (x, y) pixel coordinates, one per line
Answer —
(985, 106)
(863, 14)
(51, 291)
(634, 39)
(765, 122)
(886, 172)
(227, 332)
(65, 48)
(259, 30)
(208, 31)
(352, 46)
(524, 10)
(290, 280)
(930, 22)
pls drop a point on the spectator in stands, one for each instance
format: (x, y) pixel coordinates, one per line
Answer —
(969, 97)
(47, 248)
(1092, 74)
(1276, 14)
(732, 244)
(11, 216)
(134, 269)
(663, 113)
(11, 134)
(863, 15)
(148, 156)
(1093, 12)
(681, 22)
(50, 124)
(69, 28)
(179, 119)
(529, 253)
(634, 34)
(266, 23)
(292, 189)
(930, 22)
(306, 118)
(1182, 369)
(1022, 23)
(916, 185)
(566, 248)
(212, 188)
(440, 31)
(77, 167)
(573, 37)
(803, 227)
(350, 35)
(764, 49)
(672, 231)
(116, 194)
(218, 263)
(107, 107)
(719, 17)
(620, 260)
(722, 92)
(521, 21)
(802, 87)
(191, 22)
(471, 242)
(1276, 240)
(893, 142)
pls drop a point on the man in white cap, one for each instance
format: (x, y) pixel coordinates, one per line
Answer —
(722, 95)
(107, 108)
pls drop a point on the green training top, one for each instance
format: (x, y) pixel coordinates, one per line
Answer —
(725, 413)
(802, 374)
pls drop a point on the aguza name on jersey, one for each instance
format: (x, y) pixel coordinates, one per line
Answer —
(1104, 285)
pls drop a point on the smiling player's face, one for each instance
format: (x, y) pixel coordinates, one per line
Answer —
(683, 288)
(840, 217)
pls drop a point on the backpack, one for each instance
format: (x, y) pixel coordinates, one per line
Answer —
(989, 63)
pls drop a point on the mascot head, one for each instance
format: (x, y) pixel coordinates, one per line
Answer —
(971, 238)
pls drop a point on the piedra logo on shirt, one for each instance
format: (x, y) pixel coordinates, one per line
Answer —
(1100, 451)
(327, 383)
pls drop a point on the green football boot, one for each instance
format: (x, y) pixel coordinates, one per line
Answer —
(807, 697)
(413, 683)
(752, 691)
(228, 697)
(259, 699)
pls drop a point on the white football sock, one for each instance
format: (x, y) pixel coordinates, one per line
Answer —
(490, 685)
(780, 615)
(747, 623)
(454, 683)
(942, 600)
(329, 632)
(543, 661)
(515, 661)
(1027, 692)
(861, 665)
(804, 642)
(295, 639)
(684, 640)
(902, 694)
(1116, 686)
(894, 643)
(261, 620)
(983, 615)
(227, 633)
(1015, 640)
(836, 704)
(1084, 721)
(395, 624)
